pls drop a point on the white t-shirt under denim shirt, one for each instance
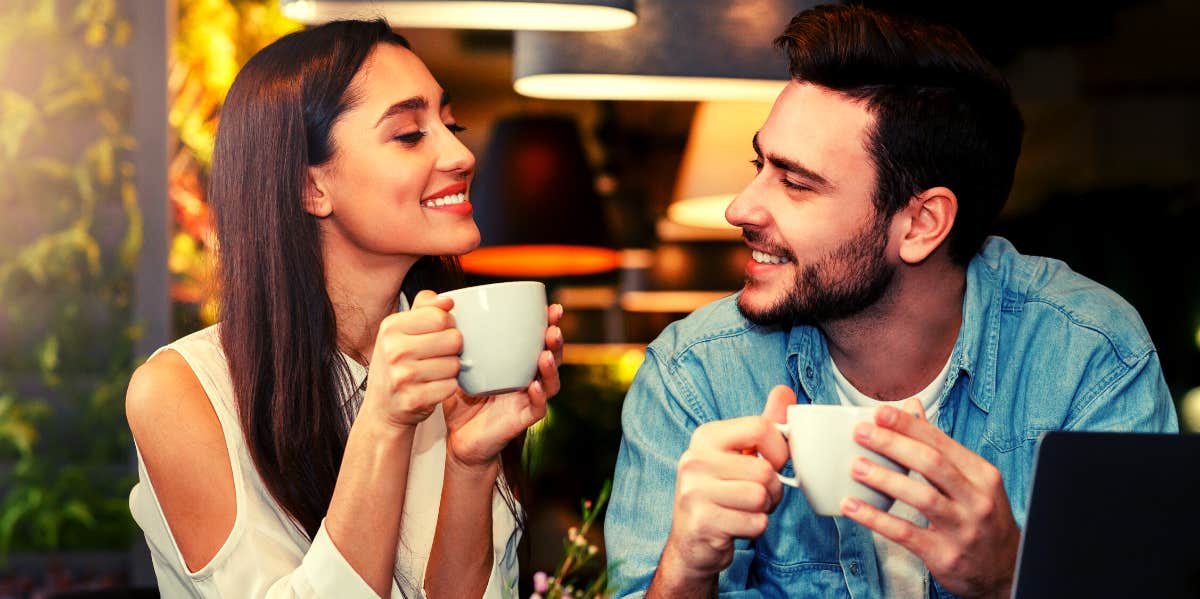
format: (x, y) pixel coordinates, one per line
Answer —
(901, 572)
(266, 554)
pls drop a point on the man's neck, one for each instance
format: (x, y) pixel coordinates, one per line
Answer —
(895, 348)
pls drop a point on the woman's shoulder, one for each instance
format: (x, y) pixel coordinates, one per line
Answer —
(183, 447)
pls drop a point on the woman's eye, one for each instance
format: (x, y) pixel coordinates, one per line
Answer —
(410, 138)
(455, 127)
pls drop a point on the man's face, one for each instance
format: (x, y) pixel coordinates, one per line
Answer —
(819, 248)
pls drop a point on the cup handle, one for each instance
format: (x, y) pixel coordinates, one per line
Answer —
(789, 481)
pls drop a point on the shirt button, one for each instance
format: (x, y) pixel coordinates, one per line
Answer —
(808, 371)
(854, 568)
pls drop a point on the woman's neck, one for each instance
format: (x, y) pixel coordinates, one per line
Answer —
(363, 290)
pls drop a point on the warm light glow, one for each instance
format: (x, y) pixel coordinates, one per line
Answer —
(601, 354)
(540, 260)
(499, 14)
(584, 298)
(716, 162)
(668, 301)
(1189, 411)
(706, 212)
(1197, 337)
(627, 366)
(579, 86)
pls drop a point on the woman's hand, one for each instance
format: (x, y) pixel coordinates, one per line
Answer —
(479, 427)
(415, 361)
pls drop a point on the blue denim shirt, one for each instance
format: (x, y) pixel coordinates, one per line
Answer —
(1040, 348)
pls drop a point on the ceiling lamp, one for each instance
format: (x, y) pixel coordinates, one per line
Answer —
(679, 50)
(716, 163)
(536, 204)
(550, 15)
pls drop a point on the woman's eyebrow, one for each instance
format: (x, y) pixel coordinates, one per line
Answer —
(411, 104)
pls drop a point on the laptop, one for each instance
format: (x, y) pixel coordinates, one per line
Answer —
(1112, 515)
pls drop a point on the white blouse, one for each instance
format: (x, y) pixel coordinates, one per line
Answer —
(266, 554)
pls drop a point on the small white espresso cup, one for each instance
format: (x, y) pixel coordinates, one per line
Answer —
(821, 440)
(504, 331)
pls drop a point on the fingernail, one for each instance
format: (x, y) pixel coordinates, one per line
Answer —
(887, 415)
(863, 430)
(850, 505)
(558, 335)
(860, 467)
(535, 387)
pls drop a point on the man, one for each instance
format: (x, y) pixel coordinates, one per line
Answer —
(881, 165)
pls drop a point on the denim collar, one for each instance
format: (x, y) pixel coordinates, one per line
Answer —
(975, 350)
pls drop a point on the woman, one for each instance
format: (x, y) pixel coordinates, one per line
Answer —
(270, 462)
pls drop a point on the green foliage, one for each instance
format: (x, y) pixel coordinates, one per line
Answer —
(69, 244)
(570, 578)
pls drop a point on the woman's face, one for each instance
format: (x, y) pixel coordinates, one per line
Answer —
(397, 184)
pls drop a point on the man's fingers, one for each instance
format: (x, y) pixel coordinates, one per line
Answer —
(922, 431)
(922, 496)
(754, 434)
(709, 520)
(918, 540)
(698, 468)
(934, 465)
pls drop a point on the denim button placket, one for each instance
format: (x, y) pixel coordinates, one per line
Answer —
(854, 569)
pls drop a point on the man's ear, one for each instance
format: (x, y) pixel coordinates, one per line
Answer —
(316, 201)
(929, 217)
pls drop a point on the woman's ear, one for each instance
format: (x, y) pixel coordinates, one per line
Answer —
(931, 216)
(316, 201)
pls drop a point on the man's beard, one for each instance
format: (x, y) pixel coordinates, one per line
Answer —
(817, 296)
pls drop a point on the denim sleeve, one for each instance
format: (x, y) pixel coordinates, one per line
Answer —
(657, 427)
(1130, 399)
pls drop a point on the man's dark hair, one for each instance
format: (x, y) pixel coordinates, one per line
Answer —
(944, 116)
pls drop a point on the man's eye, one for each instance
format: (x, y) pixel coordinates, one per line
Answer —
(758, 164)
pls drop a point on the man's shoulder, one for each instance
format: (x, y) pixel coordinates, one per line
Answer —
(717, 322)
(1064, 299)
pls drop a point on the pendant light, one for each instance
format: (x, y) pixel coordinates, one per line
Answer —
(679, 50)
(551, 15)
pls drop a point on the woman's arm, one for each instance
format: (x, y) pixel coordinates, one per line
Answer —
(181, 443)
(461, 561)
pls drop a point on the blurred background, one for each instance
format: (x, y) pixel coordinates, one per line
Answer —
(605, 161)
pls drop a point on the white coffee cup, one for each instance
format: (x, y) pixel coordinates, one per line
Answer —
(821, 440)
(504, 331)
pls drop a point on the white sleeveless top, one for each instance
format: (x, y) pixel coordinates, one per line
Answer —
(266, 554)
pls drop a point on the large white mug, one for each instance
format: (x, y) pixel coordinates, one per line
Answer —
(821, 440)
(504, 331)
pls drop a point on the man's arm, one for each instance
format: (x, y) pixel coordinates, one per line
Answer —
(718, 493)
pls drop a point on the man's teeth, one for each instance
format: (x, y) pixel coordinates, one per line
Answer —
(765, 258)
(456, 198)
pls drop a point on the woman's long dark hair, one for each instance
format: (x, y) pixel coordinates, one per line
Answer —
(278, 328)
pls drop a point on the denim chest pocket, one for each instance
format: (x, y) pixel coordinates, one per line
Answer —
(797, 556)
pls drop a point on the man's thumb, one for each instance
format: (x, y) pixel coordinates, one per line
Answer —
(778, 400)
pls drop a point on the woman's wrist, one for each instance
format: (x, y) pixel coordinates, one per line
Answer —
(485, 470)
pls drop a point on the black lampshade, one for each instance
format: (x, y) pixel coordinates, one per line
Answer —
(679, 50)
(535, 203)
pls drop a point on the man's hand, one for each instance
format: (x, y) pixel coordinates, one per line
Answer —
(723, 491)
(971, 543)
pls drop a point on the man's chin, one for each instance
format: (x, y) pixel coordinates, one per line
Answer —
(758, 307)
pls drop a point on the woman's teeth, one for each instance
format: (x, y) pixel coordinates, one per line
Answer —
(765, 258)
(456, 198)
